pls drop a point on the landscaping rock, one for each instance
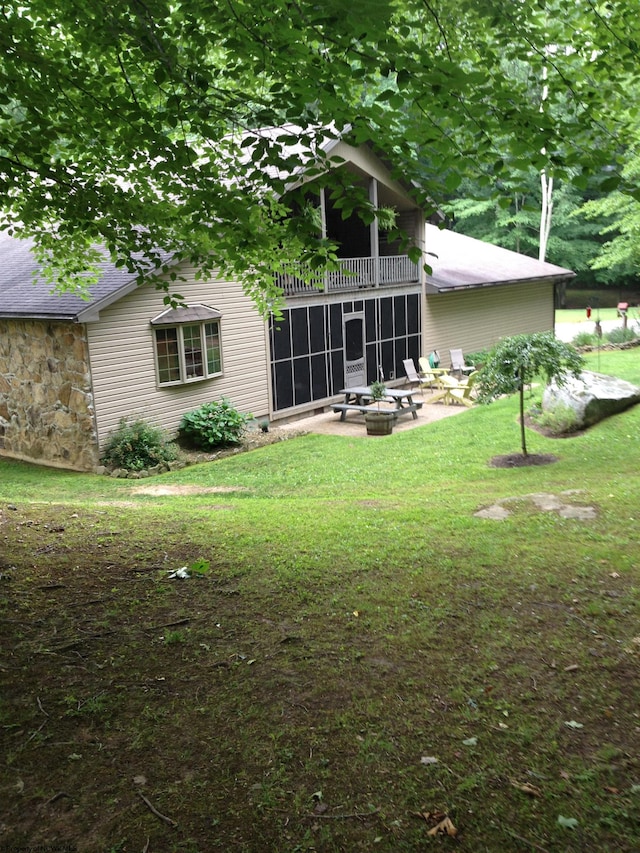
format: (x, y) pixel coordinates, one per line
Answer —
(592, 397)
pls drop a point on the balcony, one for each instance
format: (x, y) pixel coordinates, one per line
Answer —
(354, 274)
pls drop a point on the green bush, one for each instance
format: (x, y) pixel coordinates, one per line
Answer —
(476, 359)
(621, 335)
(215, 424)
(561, 421)
(586, 339)
(136, 444)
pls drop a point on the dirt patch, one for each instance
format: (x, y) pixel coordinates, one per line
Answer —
(519, 460)
(160, 491)
(543, 502)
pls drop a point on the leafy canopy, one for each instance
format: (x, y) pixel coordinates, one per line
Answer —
(135, 126)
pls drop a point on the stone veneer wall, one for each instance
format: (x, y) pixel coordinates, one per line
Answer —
(46, 403)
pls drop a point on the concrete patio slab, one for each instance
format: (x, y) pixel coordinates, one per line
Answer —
(329, 423)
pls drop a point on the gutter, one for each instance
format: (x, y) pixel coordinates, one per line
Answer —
(434, 289)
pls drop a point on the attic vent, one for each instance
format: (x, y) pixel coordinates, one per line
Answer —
(189, 314)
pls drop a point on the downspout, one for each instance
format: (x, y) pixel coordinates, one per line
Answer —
(267, 346)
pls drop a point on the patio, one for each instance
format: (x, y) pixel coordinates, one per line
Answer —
(329, 423)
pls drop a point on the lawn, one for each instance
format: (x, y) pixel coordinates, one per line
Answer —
(359, 661)
(579, 315)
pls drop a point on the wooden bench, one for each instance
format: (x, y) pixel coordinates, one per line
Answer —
(343, 408)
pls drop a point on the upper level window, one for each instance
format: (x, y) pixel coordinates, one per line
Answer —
(187, 344)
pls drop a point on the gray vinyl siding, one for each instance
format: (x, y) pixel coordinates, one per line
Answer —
(123, 369)
(476, 319)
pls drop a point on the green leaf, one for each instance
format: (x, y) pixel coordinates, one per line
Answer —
(200, 567)
(567, 822)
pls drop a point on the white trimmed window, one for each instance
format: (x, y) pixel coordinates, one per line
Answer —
(187, 344)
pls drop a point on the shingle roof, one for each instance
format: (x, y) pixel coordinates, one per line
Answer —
(460, 263)
(463, 262)
(22, 295)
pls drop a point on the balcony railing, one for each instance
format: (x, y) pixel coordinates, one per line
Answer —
(354, 274)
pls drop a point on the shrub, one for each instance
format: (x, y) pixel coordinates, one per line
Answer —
(215, 424)
(621, 335)
(136, 444)
(476, 359)
(560, 421)
(586, 339)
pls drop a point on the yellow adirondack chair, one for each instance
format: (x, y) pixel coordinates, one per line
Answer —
(455, 391)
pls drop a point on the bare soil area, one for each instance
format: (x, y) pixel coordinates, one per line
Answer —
(234, 712)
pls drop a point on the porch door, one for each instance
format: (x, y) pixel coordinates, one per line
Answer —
(354, 353)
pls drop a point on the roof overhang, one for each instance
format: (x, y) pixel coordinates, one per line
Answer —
(434, 289)
(187, 314)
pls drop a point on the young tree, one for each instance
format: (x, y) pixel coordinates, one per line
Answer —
(517, 360)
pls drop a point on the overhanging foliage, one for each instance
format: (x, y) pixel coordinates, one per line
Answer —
(124, 125)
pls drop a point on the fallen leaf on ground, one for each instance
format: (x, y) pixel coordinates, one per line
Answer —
(439, 822)
(428, 759)
(571, 724)
(445, 827)
(567, 822)
(526, 788)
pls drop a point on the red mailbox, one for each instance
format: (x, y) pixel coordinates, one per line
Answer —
(623, 307)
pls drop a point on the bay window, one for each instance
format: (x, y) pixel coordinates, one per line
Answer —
(187, 344)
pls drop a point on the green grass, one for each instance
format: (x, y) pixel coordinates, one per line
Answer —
(357, 618)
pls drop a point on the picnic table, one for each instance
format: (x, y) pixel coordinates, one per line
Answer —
(360, 399)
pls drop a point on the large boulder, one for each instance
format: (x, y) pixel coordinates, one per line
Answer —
(592, 397)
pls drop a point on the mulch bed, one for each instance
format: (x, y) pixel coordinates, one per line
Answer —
(519, 460)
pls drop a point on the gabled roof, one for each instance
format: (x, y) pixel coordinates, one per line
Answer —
(191, 314)
(459, 262)
(23, 295)
(293, 143)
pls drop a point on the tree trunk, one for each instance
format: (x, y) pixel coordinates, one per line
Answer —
(546, 185)
(546, 182)
(523, 438)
